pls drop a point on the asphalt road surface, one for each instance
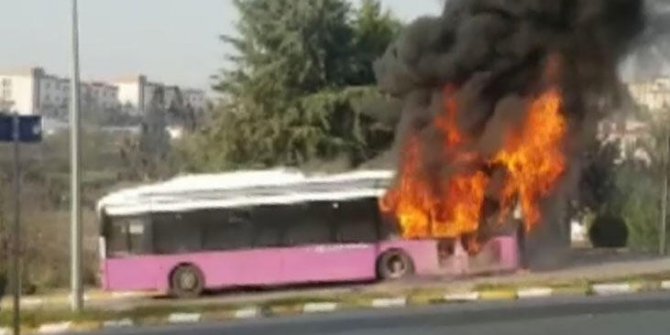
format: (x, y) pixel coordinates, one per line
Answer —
(638, 314)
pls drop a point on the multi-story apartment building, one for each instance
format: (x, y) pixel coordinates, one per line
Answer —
(653, 94)
(101, 94)
(137, 93)
(19, 90)
(33, 91)
(629, 131)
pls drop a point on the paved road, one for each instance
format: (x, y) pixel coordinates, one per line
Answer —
(641, 314)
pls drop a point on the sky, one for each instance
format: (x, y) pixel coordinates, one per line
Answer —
(172, 41)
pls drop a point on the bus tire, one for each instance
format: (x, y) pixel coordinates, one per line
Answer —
(394, 265)
(186, 281)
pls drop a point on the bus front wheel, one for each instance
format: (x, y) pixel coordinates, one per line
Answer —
(394, 264)
(186, 282)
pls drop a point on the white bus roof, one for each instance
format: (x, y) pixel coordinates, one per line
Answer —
(245, 188)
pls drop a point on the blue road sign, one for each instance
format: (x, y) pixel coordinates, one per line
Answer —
(30, 128)
(6, 128)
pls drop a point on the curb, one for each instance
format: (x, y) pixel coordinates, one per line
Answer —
(55, 328)
(64, 299)
(389, 302)
(612, 289)
(497, 295)
(319, 307)
(247, 313)
(534, 292)
(184, 318)
(665, 285)
(416, 298)
(122, 323)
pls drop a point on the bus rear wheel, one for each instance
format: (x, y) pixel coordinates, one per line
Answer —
(187, 282)
(394, 264)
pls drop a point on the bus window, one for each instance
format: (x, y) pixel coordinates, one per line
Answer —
(127, 236)
(356, 221)
(310, 224)
(138, 243)
(269, 223)
(117, 239)
(389, 228)
(229, 230)
(176, 232)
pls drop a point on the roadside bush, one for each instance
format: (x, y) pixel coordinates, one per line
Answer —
(638, 203)
(45, 207)
(3, 279)
(609, 231)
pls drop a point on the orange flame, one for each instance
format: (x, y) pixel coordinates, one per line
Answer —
(532, 156)
(534, 159)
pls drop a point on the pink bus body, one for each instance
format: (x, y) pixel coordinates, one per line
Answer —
(281, 266)
(267, 228)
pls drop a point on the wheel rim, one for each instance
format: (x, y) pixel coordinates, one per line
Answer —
(188, 281)
(396, 266)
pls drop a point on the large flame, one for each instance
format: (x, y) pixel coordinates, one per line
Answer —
(532, 157)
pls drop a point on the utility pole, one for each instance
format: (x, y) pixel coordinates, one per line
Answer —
(664, 201)
(76, 295)
(16, 234)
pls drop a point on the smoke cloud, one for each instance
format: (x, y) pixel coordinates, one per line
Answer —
(652, 52)
(498, 54)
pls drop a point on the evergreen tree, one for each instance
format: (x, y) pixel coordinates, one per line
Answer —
(301, 74)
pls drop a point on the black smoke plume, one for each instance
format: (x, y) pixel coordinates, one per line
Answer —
(652, 52)
(496, 53)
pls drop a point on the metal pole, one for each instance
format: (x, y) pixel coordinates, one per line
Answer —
(664, 202)
(76, 296)
(16, 240)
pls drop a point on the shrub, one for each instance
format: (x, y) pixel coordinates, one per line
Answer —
(608, 231)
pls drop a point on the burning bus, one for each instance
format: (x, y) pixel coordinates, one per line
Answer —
(497, 101)
(269, 228)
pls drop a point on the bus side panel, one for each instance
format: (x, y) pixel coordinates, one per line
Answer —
(135, 274)
(423, 253)
(498, 254)
(329, 263)
(220, 269)
(237, 268)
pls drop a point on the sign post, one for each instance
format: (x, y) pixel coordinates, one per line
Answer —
(77, 292)
(18, 129)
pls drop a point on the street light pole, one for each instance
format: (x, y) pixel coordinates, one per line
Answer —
(76, 296)
(16, 235)
(662, 239)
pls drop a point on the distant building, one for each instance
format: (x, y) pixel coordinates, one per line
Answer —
(136, 93)
(653, 94)
(102, 94)
(35, 92)
(628, 133)
(53, 95)
(195, 98)
(21, 90)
